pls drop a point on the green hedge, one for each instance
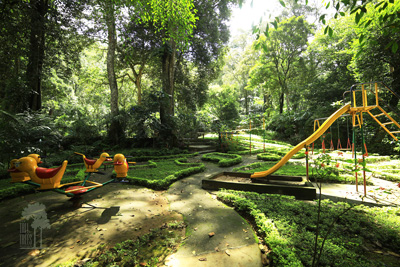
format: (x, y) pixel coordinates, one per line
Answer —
(223, 160)
(162, 184)
(282, 253)
(150, 157)
(268, 157)
(289, 226)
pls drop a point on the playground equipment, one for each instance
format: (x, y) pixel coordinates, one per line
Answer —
(19, 176)
(25, 170)
(93, 164)
(121, 165)
(45, 178)
(364, 98)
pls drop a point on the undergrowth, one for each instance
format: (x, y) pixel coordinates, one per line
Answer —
(289, 228)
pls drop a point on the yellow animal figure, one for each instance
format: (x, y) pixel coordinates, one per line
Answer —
(47, 178)
(120, 165)
(18, 176)
(93, 164)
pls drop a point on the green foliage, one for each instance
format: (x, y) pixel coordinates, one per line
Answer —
(26, 133)
(150, 248)
(223, 160)
(289, 226)
(336, 176)
(276, 153)
(268, 157)
(166, 173)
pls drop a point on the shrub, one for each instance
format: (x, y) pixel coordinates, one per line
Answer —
(154, 181)
(223, 160)
(289, 228)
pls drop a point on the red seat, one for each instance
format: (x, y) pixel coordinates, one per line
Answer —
(76, 192)
(90, 162)
(45, 173)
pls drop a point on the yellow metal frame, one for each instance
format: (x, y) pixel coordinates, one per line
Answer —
(96, 184)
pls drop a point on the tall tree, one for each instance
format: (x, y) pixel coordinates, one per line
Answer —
(283, 47)
(115, 131)
(374, 42)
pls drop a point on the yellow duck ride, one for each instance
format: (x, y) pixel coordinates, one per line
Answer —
(93, 164)
(121, 165)
(46, 178)
(19, 176)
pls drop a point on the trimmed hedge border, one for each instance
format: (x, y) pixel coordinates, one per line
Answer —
(265, 226)
(223, 160)
(167, 181)
(144, 158)
(246, 152)
(268, 157)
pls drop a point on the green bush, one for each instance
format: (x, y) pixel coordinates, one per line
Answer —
(289, 226)
(166, 173)
(268, 157)
(223, 160)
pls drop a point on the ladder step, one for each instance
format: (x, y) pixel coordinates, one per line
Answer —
(395, 132)
(379, 115)
(387, 123)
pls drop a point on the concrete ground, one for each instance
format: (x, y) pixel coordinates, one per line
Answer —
(218, 235)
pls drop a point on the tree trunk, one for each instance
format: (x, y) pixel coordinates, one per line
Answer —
(168, 76)
(115, 131)
(167, 103)
(281, 102)
(38, 10)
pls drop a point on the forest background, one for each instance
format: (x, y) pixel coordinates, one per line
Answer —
(108, 73)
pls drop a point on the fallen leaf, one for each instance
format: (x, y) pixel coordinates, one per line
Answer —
(211, 234)
(78, 241)
(71, 247)
(216, 249)
(227, 253)
(34, 252)
(244, 230)
(203, 259)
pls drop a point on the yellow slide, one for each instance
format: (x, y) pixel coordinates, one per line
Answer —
(321, 130)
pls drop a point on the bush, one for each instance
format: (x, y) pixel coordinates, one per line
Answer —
(154, 181)
(268, 157)
(289, 227)
(223, 160)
